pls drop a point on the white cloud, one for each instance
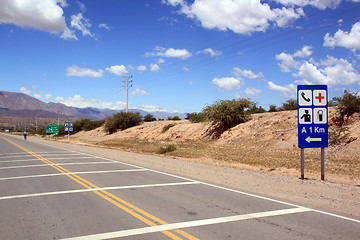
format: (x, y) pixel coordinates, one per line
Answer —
(138, 91)
(82, 24)
(68, 34)
(287, 90)
(344, 39)
(170, 53)
(321, 4)
(151, 108)
(38, 96)
(160, 61)
(211, 52)
(331, 71)
(154, 67)
(48, 96)
(24, 90)
(39, 14)
(105, 26)
(119, 70)
(239, 16)
(141, 68)
(227, 83)
(247, 73)
(252, 91)
(78, 101)
(83, 72)
(287, 61)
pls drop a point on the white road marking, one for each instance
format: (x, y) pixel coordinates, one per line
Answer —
(181, 225)
(94, 189)
(212, 185)
(60, 164)
(45, 153)
(59, 174)
(37, 159)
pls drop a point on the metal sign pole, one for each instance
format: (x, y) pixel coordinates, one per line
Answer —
(68, 136)
(302, 163)
(322, 164)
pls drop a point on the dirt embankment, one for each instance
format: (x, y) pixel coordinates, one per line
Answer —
(267, 143)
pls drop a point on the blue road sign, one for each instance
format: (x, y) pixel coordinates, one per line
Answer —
(68, 127)
(312, 116)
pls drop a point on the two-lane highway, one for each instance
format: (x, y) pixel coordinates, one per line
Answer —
(52, 193)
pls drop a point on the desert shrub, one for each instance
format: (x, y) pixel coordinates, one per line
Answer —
(228, 113)
(290, 104)
(337, 134)
(176, 118)
(255, 109)
(149, 118)
(348, 103)
(273, 108)
(122, 120)
(196, 117)
(167, 127)
(87, 125)
(167, 149)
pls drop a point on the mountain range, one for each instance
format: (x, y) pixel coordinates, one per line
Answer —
(14, 104)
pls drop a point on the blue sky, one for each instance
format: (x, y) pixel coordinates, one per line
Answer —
(182, 55)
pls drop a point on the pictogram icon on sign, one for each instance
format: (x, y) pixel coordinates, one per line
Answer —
(320, 98)
(305, 97)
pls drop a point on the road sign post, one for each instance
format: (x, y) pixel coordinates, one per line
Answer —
(52, 129)
(68, 127)
(312, 121)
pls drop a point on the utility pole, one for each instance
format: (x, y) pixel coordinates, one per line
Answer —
(127, 81)
(59, 112)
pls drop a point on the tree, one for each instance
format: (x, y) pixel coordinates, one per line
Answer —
(122, 121)
(229, 113)
(290, 104)
(149, 118)
(348, 103)
(273, 108)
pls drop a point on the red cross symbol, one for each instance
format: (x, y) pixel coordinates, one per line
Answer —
(319, 97)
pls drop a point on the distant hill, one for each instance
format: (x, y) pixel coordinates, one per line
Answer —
(14, 104)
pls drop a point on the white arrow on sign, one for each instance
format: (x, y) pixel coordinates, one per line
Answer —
(309, 139)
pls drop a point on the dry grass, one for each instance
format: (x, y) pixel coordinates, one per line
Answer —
(285, 161)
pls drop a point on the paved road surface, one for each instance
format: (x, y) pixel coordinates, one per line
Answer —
(52, 193)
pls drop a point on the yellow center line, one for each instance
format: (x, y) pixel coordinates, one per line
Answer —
(120, 203)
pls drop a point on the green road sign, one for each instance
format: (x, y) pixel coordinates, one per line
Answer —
(52, 129)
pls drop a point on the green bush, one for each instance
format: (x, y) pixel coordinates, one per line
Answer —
(348, 103)
(273, 108)
(196, 117)
(167, 149)
(255, 109)
(167, 127)
(87, 125)
(122, 121)
(229, 113)
(336, 135)
(149, 118)
(176, 118)
(289, 105)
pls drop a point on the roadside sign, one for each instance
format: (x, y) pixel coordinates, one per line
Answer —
(312, 116)
(52, 129)
(68, 127)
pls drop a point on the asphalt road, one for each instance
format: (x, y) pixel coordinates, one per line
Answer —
(52, 193)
